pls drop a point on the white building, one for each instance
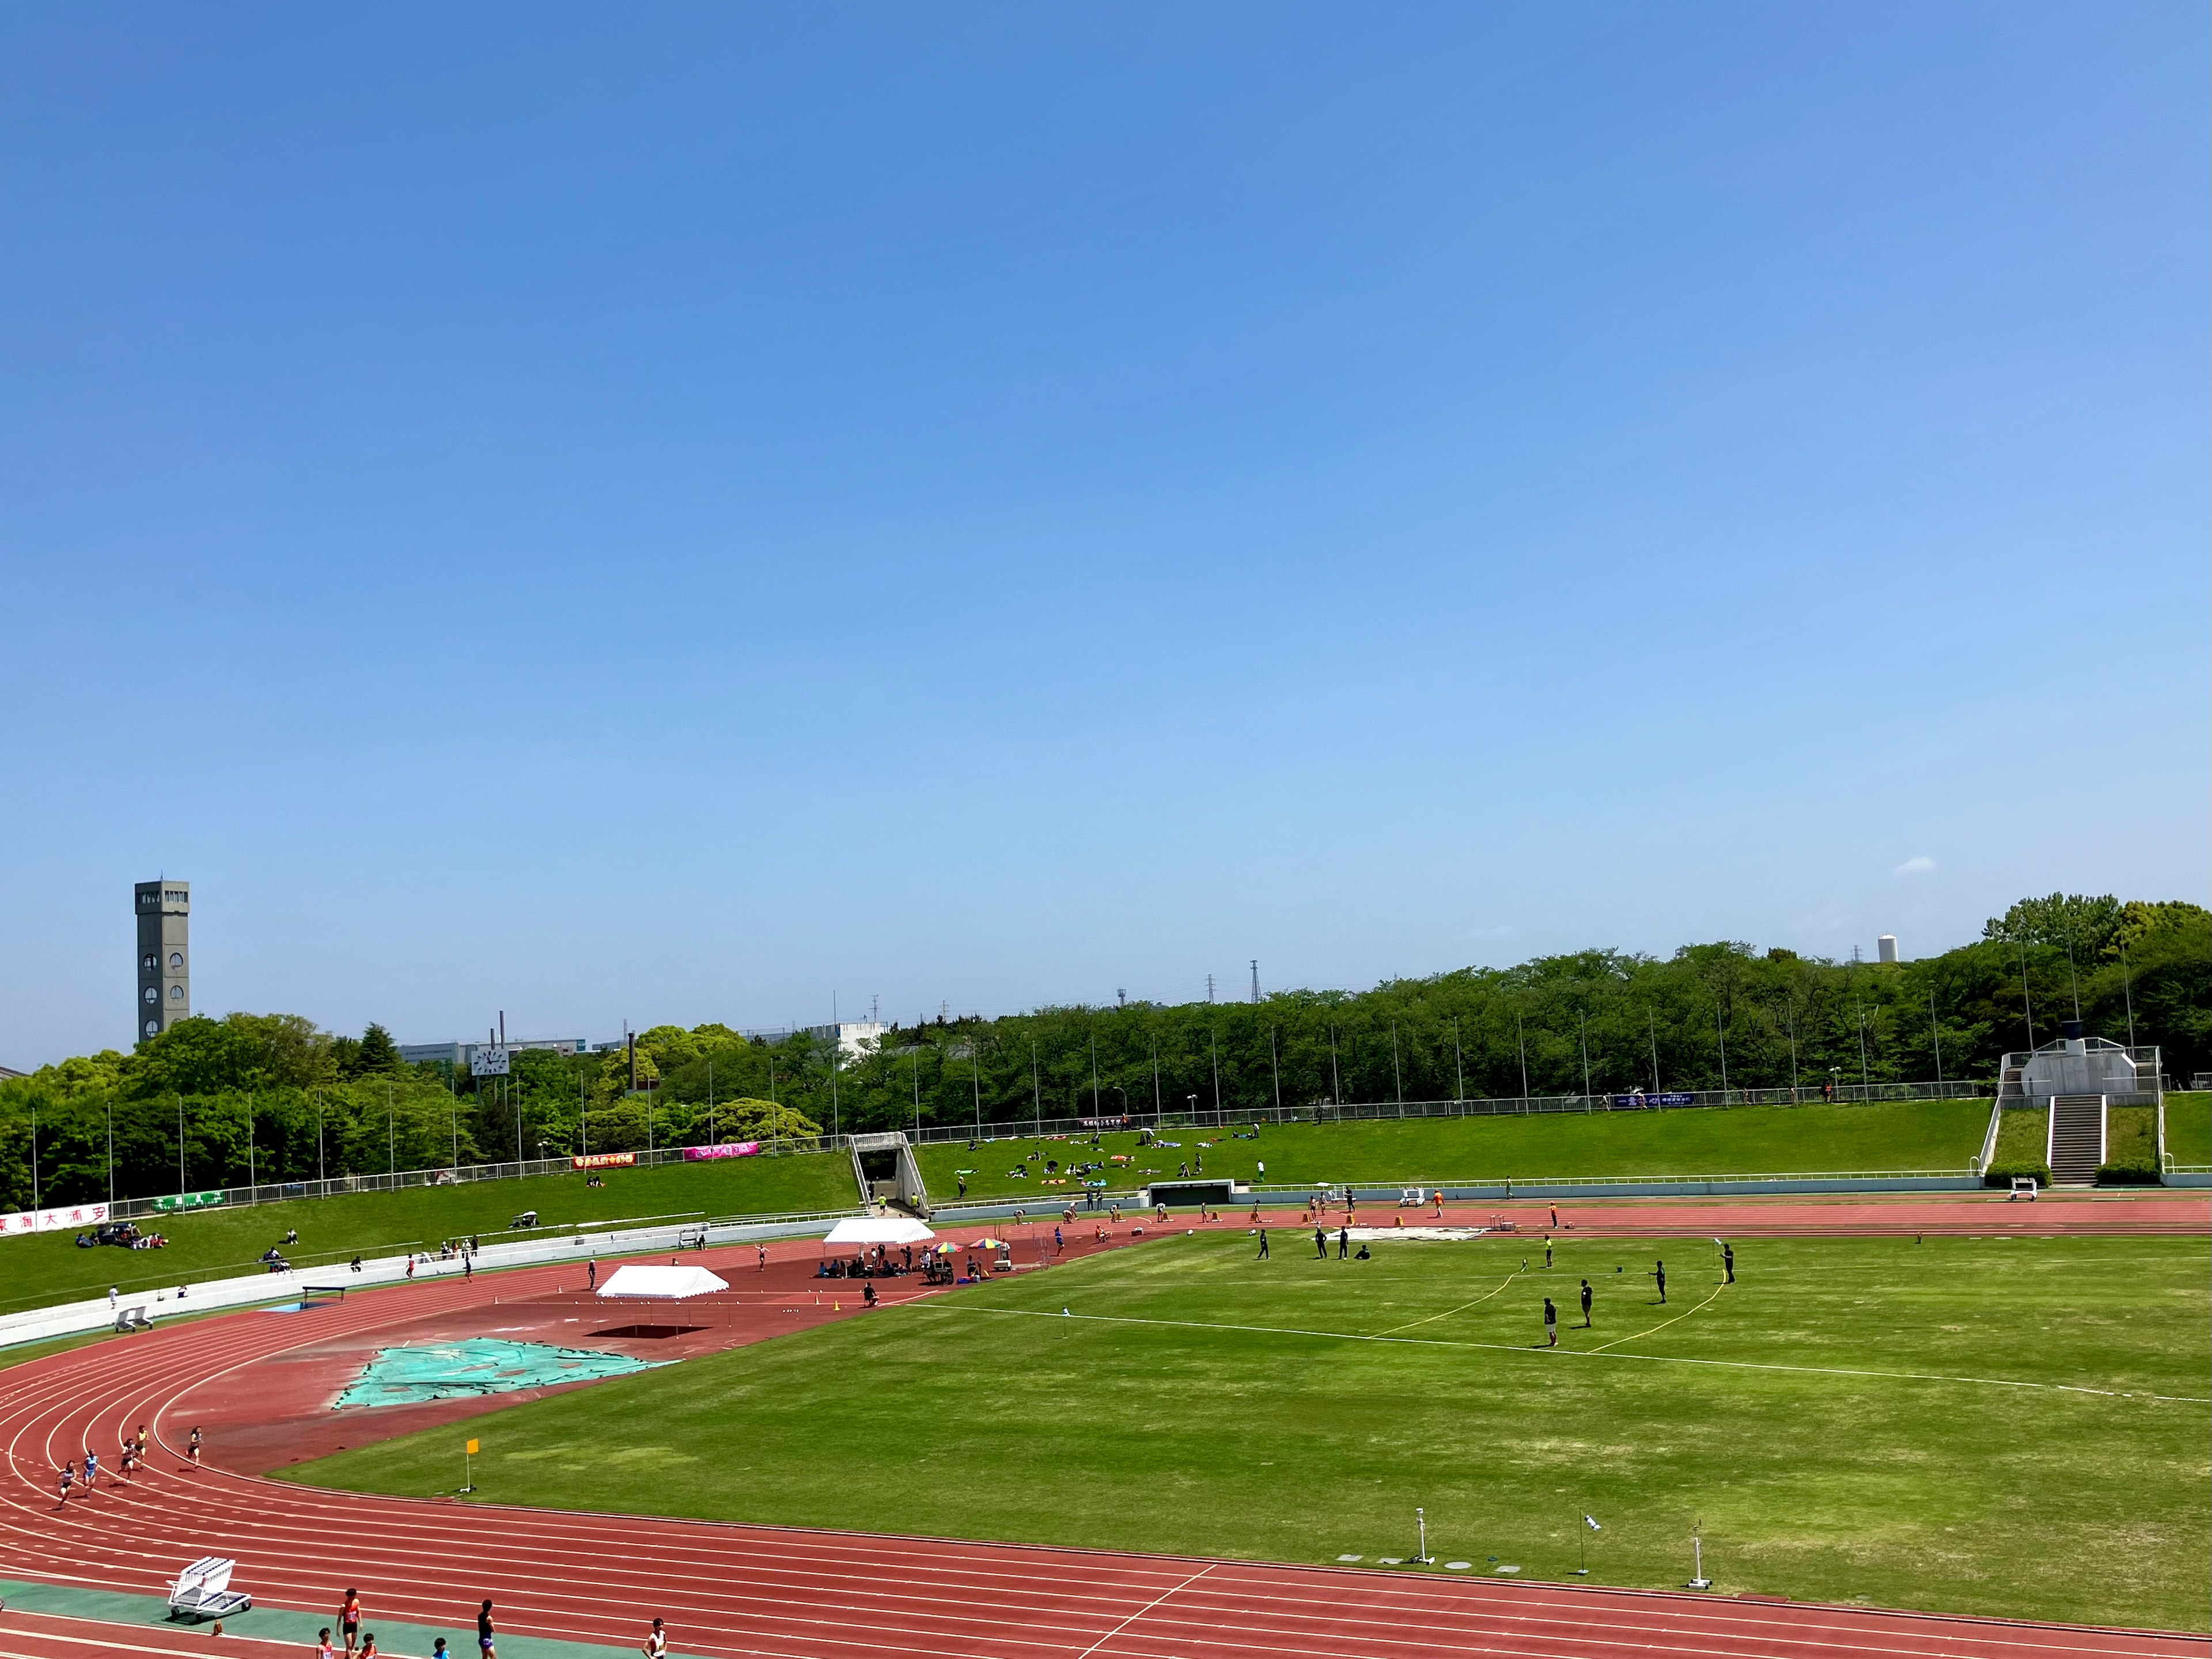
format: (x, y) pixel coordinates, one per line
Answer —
(855, 1038)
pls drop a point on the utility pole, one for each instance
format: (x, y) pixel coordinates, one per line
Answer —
(1397, 1075)
(1936, 1036)
(1521, 1043)
(1037, 1089)
(1156, 1080)
(1335, 1081)
(1213, 1050)
(1094, 1074)
(1721, 1032)
(917, 1086)
(111, 1152)
(1582, 1019)
(1651, 1025)
(1275, 1064)
(1459, 1063)
(180, 1150)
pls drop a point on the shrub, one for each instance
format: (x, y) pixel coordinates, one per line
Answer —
(2127, 1174)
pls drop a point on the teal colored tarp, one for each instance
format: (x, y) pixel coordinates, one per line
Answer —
(482, 1364)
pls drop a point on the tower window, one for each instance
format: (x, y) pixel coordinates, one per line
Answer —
(176, 962)
(153, 1028)
(152, 995)
(176, 993)
(151, 963)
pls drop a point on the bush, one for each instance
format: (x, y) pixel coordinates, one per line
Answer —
(2127, 1174)
(2001, 1175)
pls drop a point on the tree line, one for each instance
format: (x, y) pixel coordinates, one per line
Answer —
(212, 1102)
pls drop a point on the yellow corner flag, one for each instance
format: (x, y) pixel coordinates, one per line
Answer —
(473, 1449)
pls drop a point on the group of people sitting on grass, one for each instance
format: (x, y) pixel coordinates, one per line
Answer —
(125, 1234)
(878, 1263)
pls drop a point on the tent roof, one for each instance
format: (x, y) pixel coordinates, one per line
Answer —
(873, 1229)
(669, 1283)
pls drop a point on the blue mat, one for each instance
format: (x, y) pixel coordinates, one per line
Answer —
(480, 1365)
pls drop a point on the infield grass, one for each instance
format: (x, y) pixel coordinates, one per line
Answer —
(1999, 1426)
(1912, 1134)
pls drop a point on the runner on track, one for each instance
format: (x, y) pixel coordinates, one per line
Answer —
(127, 1459)
(484, 1632)
(350, 1618)
(656, 1641)
(68, 1478)
(91, 1468)
(193, 1448)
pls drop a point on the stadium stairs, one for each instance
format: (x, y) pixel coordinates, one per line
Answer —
(2077, 1140)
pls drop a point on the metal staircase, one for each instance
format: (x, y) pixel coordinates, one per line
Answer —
(2077, 1144)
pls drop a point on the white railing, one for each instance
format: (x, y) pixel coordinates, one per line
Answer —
(1989, 1140)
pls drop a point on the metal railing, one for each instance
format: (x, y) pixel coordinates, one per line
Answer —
(1035, 1128)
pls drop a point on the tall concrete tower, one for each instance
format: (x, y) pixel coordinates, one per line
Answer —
(165, 956)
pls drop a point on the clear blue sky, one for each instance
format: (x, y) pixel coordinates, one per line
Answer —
(673, 513)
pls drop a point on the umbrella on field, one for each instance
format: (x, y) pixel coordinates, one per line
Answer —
(990, 1244)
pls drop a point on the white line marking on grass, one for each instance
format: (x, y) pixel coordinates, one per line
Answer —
(1148, 1605)
(1602, 1346)
(1411, 1323)
(1571, 1354)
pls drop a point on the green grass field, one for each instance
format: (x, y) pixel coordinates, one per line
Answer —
(2188, 1129)
(1748, 1140)
(49, 1268)
(1924, 1425)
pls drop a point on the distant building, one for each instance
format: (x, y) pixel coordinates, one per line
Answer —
(460, 1054)
(165, 956)
(8, 1073)
(853, 1037)
(1885, 948)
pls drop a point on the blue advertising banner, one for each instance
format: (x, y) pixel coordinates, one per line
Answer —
(1672, 1097)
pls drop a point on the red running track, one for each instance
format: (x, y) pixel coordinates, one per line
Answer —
(738, 1592)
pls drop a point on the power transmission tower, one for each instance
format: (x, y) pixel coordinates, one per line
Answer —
(1255, 979)
(1209, 987)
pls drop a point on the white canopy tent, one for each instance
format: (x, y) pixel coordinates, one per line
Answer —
(662, 1283)
(873, 1230)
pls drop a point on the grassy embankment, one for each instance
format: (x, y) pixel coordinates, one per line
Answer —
(2188, 1129)
(1872, 1419)
(49, 1268)
(1939, 1134)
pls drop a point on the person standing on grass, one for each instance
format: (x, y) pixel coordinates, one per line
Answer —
(1728, 1260)
(1551, 1324)
(1343, 1243)
(1547, 1252)
(1659, 1272)
(349, 1620)
(1263, 1256)
(656, 1641)
(1586, 1302)
(484, 1632)
(1320, 1243)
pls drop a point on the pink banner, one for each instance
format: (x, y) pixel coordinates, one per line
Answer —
(727, 1149)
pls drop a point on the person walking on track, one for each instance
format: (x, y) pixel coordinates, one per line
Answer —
(1551, 1324)
(1586, 1302)
(193, 1447)
(656, 1641)
(591, 1274)
(1263, 1256)
(349, 1620)
(484, 1647)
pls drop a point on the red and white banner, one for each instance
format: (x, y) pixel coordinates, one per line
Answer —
(602, 1160)
(48, 1221)
(727, 1149)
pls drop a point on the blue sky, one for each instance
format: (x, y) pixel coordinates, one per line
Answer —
(678, 514)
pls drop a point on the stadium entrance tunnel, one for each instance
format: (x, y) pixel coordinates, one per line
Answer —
(480, 1365)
